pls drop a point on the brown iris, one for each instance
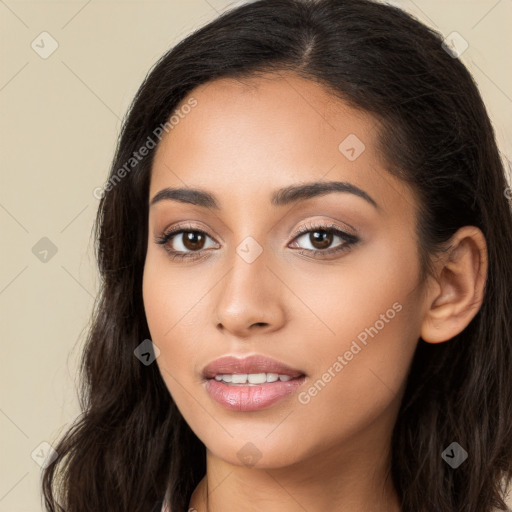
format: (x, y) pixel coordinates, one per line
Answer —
(322, 237)
(193, 240)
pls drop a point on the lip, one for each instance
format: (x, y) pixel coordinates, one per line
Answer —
(251, 397)
(244, 398)
(250, 364)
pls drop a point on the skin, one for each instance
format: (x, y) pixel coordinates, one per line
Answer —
(242, 141)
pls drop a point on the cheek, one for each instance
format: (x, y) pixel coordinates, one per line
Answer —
(170, 310)
(172, 297)
(163, 313)
(358, 375)
(362, 364)
(158, 302)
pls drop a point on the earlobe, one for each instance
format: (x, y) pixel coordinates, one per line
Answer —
(460, 285)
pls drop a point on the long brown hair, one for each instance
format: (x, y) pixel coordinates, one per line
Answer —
(131, 444)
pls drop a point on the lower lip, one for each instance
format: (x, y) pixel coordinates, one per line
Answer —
(251, 398)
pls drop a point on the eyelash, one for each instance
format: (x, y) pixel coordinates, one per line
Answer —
(349, 239)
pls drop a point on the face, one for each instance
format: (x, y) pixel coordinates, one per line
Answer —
(325, 283)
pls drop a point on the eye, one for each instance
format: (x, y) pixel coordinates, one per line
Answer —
(320, 238)
(187, 241)
(183, 241)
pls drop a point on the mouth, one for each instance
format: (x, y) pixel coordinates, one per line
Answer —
(254, 369)
(252, 383)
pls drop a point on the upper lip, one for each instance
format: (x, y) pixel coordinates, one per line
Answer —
(250, 364)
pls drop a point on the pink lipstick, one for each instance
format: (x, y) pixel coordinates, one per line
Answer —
(250, 383)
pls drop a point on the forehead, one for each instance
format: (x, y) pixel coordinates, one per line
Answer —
(282, 111)
(266, 132)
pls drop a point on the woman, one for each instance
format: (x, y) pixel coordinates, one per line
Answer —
(305, 303)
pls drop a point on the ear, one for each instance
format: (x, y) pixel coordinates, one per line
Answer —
(458, 289)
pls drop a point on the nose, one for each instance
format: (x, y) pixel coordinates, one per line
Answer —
(250, 298)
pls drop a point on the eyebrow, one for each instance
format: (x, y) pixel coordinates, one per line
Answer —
(281, 197)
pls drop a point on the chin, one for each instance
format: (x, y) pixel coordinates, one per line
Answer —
(258, 451)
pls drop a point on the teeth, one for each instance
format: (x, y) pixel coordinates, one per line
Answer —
(257, 378)
(252, 378)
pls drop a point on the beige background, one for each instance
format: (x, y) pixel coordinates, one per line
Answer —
(60, 118)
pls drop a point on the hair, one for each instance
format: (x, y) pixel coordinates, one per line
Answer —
(131, 445)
